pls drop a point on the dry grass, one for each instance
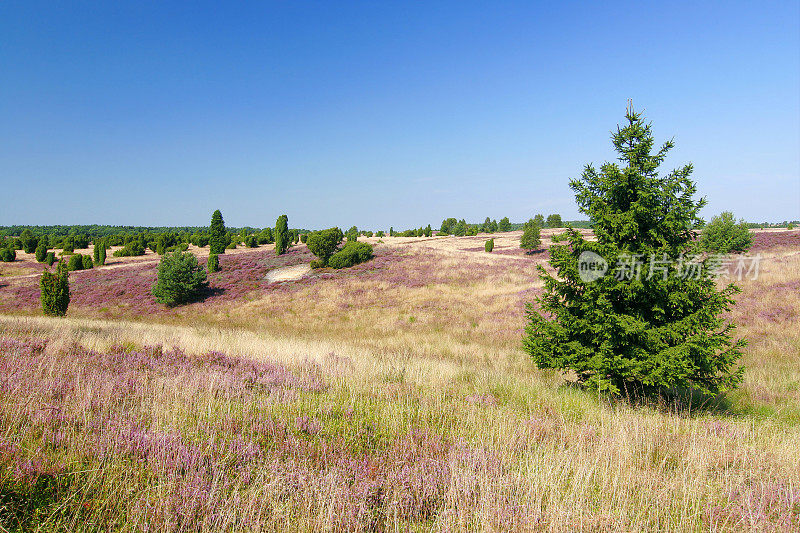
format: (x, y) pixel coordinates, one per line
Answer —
(430, 417)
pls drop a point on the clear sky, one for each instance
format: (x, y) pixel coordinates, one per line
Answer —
(383, 113)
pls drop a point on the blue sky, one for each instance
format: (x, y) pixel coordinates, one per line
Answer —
(382, 113)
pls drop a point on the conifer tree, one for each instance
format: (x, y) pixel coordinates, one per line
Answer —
(102, 253)
(55, 291)
(218, 239)
(282, 236)
(646, 330)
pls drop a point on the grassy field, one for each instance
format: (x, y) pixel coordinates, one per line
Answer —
(391, 396)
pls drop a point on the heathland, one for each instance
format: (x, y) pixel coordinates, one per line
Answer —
(393, 395)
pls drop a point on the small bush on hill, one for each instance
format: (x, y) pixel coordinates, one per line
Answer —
(132, 249)
(352, 234)
(351, 254)
(304, 238)
(75, 262)
(323, 243)
(41, 251)
(8, 255)
(489, 246)
(55, 291)
(50, 259)
(87, 262)
(251, 241)
(213, 263)
(29, 241)
(723, 235)
(180, 279)
(531, 236)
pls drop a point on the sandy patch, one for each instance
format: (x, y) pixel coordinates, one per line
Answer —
(289, 273)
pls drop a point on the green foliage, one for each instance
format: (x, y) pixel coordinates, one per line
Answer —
(75, 262)
(87, 262)
(723, 235)
(539, 220)
(391, 231)
(218, 237)
(489, 245)
(323, 243)
(96, 251)
(180, 279)
(790, 226)
(317, 263)
(29, 241)
(213, 263)
(635, 334)
(428, 231)
(352, 253)
(101, 257)
(531, 236)
(304, 238)
(251, 241)
(55, 291)
(132, 249)
(352, 234)
(504, 225)
(68, 246)
(50, 259)
(380, 234)
(41, 251)
(554, 221)
(8, 255)
(282, 235)
(265, 236)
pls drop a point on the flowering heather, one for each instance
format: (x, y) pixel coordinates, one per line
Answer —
(771, 240)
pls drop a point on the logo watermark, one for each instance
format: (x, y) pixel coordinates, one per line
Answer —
(591, 266)
(628, 267)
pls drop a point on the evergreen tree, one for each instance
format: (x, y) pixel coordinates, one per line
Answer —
(504, 225)
(554, 221)
(641, 330)
(218, 238)
(531, 236)
(29, 241)
(55, 291)
(41, 251)
(539, 220)
(96, 251)
(102, 254)
(352, 234)
(282, 236)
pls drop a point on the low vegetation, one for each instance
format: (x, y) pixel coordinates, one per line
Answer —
(180, 279)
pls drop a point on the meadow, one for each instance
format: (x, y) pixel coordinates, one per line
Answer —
(390, 396)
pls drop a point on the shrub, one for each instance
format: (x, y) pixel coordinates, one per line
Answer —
(504, 225)
(251, 241)
(132, 249)
(231, 245)
(55, 291)
(41, 251)
(352, 253)
(531, 236)
(352, 234)
(68, 246)
(282, 235)
(218, 238)
(323, 243)
(96, 251)
(50, 259)
(75, 262)
(180, 279)
(489, 246)
(102, 253)
(213, 263)
(8, 255)
(29, 241)
(539, 220)
(317, 263)
(650, 331)
(304, 238)
(87, 262)
(380, 234)
(554, 221)
(790, 226)
(723, 235)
